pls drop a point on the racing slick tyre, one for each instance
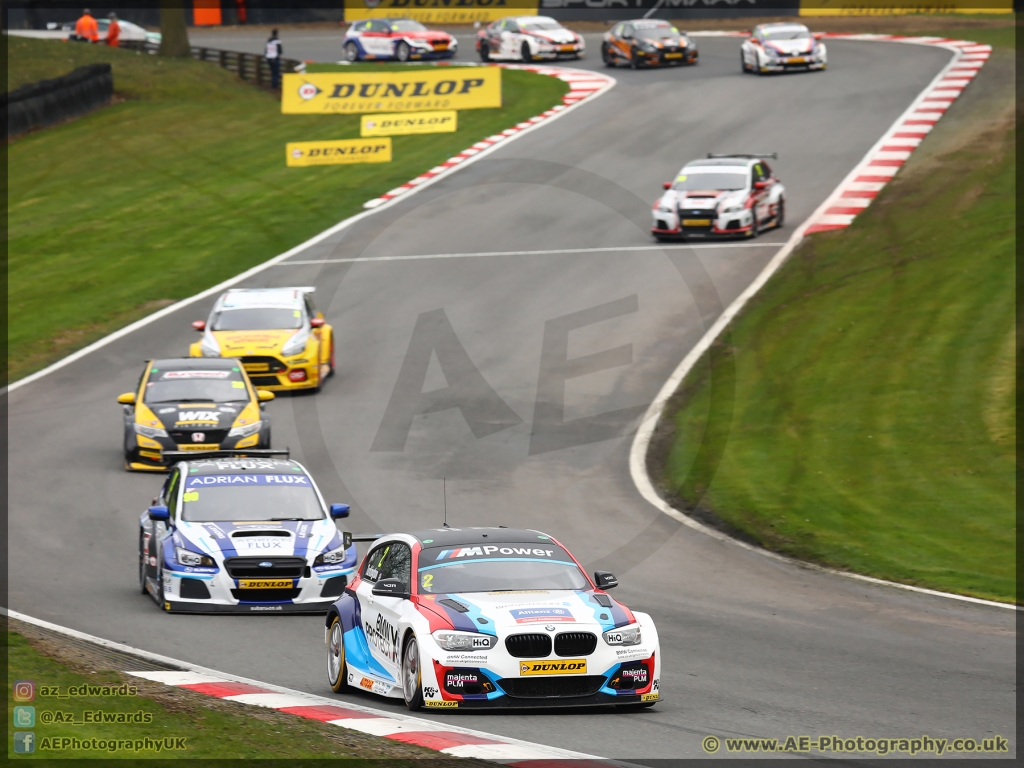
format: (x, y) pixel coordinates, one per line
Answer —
(402, 52)
(485, 52)
(331, 362)
(634, 58)
(755, 227)
(524, 53)
(142, 564)
(337, 673)
(780, 213)
(606, 56)
(743, 65)
(351, 52)
(412, 685)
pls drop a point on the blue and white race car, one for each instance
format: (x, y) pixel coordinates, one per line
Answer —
(488, 618)
(248, 534)
(397, 39)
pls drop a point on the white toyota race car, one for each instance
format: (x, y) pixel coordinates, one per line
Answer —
(780, 47)
(722, 196)
(528, 38)
(242, 533)
(488, 618)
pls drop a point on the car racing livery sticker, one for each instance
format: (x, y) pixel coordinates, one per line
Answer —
(553, 667)
(533, 615)
(383, 635)
(200, 481)
(357, 650)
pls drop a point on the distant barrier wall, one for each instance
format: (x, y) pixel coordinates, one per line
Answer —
(38, 105)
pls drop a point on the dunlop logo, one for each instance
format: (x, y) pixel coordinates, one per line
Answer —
(559, 667)
(402, 124)
(340, 152)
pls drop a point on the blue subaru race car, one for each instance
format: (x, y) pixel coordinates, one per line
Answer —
(242, 533)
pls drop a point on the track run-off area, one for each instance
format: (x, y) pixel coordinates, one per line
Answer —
(506, 327)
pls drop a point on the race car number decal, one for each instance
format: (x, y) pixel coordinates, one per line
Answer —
(559, 667)
(264, 583)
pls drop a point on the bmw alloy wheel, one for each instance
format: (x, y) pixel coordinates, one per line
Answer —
(411, 677)
(336, 672)
(351, 51)
(402, 52)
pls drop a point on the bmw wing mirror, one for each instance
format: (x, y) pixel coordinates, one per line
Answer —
(346, 539)
(160, 513)
(339, 511)
(390, 588)
(605, 580)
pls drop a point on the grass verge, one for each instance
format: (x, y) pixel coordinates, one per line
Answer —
(187, 725)
(179, 186)
(860, 413)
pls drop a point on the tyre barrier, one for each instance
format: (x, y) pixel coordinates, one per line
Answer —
(46, 102)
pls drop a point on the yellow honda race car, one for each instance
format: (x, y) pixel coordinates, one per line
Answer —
(185, 404)
(281, 338)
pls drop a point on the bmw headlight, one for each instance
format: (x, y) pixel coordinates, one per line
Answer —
(150, 431)
(246, 430)
(464, 641)
(188, 557)
(629, 635)
(331, 557)
(209, 346)
(296, 343)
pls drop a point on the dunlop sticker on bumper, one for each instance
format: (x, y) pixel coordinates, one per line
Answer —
(649, 697)
(416, 122)
(338, 152)
(558, 667)
(429, 703)
(264, 583)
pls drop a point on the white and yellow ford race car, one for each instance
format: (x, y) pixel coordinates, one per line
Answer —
(281, 338)
(722, 196)
(781, 47)
(488, 618)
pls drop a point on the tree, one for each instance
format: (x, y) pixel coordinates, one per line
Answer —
(173, 33)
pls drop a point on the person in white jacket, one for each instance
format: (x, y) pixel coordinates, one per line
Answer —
(274, 51)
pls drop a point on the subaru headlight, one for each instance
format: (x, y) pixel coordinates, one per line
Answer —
(296, 343)
(464, 641)
(331, 557)
(150, 431)
(629, 635)
(188, 557)
(209, 346)
(246, 430)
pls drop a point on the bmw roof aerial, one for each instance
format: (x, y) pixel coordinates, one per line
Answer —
(488, 617)
(234, 533)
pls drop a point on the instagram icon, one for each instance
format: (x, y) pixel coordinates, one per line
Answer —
(24, 690)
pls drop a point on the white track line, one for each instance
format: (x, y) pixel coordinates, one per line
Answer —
(557, 113)
(642, 440)
(553, 252)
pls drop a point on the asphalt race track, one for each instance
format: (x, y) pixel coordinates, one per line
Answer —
(751, 646)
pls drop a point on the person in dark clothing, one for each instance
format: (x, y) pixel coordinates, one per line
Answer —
(273, 54)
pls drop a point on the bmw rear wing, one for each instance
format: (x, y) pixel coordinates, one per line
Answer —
(243, 453)
(767, 156)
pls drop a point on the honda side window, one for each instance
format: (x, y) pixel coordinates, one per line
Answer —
(375, 562)
(398, 564)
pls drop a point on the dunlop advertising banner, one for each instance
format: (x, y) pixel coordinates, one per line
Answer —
(402, 124)
(405, 90)
(439, 11)
(894, 7)
(339, 152)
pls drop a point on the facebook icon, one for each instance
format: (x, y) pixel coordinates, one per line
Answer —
(24, 742)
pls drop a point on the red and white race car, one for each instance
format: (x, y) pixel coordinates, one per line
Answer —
(397, 39)
(722, 196)
(782, 46)
(528, 38)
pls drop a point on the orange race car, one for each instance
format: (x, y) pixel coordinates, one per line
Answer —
(647, 43)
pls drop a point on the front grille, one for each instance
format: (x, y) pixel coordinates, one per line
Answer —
(249, 568)
(210, 436)
(264, 595)
(575, 643)
(194, 589)
(334, 586)
(532, 646)
(255, 364)
(551, 687)
(264, 381)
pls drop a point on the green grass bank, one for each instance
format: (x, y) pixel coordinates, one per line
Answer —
(860, 412)
(179, 186)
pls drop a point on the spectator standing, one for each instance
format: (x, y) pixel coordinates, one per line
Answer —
(114, 32)
(274, 51)
(86, 27)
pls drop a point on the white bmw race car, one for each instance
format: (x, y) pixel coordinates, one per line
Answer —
(488, 618)
(242, 533)
(528, 38)
(780, 47)
(722, 196)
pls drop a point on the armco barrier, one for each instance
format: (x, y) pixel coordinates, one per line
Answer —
(252, 67)
(38, 105)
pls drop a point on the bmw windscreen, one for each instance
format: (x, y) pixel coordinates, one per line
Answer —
(195, 386)
(716, 181)
(407, 25)
(257, 319)
(498, 567)
(241, 498)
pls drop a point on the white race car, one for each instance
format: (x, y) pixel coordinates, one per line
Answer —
(488, 618)
(528, 38)
(780, 47)
(723, 196)
(245, 533)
